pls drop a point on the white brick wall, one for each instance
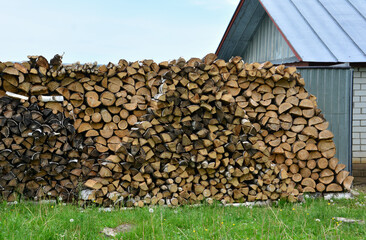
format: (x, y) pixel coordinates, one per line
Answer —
(359, 116)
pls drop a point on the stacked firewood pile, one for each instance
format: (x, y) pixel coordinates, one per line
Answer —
(180, 131)
(39, 152)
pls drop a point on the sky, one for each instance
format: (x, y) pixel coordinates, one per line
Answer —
(109, 30)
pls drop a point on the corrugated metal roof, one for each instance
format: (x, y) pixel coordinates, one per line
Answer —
(322, 30)
(316, 30)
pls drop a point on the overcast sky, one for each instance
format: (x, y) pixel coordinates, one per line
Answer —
(106, 31)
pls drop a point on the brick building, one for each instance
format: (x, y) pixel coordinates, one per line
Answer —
(359, 116)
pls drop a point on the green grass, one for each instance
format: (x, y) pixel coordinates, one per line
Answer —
(27, 220)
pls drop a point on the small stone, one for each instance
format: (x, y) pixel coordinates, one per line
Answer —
(349, 220)
(108, 209)
(112, 232)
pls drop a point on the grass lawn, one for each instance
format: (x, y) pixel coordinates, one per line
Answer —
(310, 220)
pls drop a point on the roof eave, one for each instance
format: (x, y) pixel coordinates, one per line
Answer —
(237, 10)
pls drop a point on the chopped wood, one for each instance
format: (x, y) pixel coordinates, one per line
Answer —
(334, 187)
(172, 133)
(14, 95)
(51, 98)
